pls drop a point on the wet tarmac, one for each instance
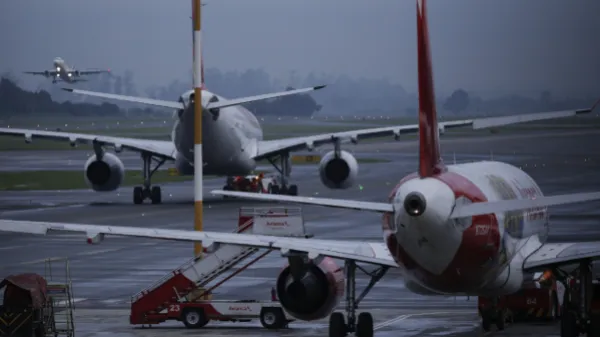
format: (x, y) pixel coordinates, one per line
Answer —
(105, 276)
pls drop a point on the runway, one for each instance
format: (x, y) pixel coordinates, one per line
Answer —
(105, 276)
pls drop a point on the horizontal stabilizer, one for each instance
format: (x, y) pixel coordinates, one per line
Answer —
(483, 123)
(149, 101)
(338, 203)
(480, 208)
(243, 100)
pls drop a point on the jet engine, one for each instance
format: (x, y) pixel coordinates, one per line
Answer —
(310, 290)
(418, 289)
(104, 174)
(338, 171)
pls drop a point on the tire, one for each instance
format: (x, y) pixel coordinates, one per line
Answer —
(337, 325)
(293, 190)
(275, 189)
(156, 195)
(138, 195)
(272, 318)
(486, 320)
(193, 318)
(500, 319)
(364, 327)
(594, 327)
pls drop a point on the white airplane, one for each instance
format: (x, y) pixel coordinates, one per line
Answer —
(62, 71)
(475, 229)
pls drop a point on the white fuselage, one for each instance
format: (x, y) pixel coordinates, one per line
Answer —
(229, 139)
(477, 256)
(63, 71)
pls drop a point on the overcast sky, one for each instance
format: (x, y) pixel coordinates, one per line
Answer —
(482, 45)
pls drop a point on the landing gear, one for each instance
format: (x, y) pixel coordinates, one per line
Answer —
(363, 327)
(577, 317)
(147, 191)
(495, 315)
(283, 170)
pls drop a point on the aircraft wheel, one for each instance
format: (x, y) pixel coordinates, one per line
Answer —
(293, 190)
(337, 325)
(500, 319)
(486, 320)
(138, 195)
(364, 327)
(156, 195)
(568, 324)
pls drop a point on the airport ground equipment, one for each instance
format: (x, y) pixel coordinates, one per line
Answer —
(185, 294)
(60, 293)
(36, 306)
(257, 183)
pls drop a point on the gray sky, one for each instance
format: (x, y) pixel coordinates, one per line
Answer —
(481, 45)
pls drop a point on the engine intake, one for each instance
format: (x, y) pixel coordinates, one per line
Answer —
(314, 293)
(105, 174)
(338, 172)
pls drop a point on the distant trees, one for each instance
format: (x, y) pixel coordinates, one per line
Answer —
(457, 102)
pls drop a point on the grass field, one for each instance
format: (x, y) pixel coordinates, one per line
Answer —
(70, 180)
(293, 129)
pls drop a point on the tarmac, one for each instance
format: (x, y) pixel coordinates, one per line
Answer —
(105, 276)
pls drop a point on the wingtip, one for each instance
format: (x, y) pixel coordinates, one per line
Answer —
(67, 89)
(320, 87)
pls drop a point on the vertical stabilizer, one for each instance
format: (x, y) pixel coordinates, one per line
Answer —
(430, 162)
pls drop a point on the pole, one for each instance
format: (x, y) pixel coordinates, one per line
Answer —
(198, 162)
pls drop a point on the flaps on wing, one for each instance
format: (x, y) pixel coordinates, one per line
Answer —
(480, 208)
(142, 100)
(243, 100)
(337, 203)
(358, 251)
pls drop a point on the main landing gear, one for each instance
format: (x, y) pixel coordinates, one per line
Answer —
(363, 327)
(283, 170)
(577, 317)
(147, 191)
(493, 314)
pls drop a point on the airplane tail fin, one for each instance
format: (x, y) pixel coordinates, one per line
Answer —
(430, 161)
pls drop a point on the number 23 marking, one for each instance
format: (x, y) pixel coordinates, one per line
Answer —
(174, 308)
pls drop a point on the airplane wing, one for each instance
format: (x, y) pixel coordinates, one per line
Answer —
(459, 211)
(560, 254)
(50, 73)
(93, 72)
(359, 251)
(162, 149)
(179, 105)
(269, 148)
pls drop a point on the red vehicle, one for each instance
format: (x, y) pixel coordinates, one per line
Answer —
(253, 183)
(532, 303)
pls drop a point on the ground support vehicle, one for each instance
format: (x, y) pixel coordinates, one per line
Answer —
(186, 293)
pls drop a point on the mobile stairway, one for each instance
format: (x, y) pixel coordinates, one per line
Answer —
(191, 281)
(60, 291)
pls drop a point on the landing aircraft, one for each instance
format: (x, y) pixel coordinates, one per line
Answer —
(476, 229)
(62, 71)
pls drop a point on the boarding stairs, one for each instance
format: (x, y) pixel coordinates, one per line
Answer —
(182, 284)
(60, 291)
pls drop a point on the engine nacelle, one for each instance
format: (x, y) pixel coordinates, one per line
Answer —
(340, 172)
(419, 289)
(315, 294)
(104, 175)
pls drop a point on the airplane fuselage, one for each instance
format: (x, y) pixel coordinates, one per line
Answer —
(229, 138)
(476, 256)
(63, 71)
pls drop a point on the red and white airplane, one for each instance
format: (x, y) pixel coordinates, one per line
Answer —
(474, 229)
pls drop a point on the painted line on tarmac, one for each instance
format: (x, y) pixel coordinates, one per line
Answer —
(40, 209)
(403, 317)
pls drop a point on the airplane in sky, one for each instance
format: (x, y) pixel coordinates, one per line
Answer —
(62, 71)
(476, 229)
